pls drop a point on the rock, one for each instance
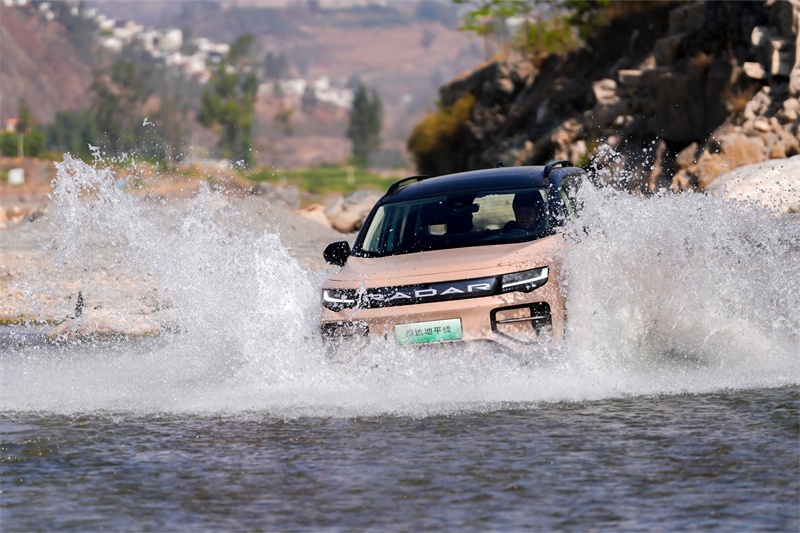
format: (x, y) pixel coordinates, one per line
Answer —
(794, 82)
(731, 151)
(605, 92)
(758, 37)
(755, 70)
(505, 85)
(96, 324)
(682, 181)
(688, 18)
(687, 157)
(790, 110)
(630, 79)
(666, 49)
(655, 180)
(348, 213)
(782, 57)
(774, 184)
(683, 104)
(784, 16)
(288, 195)
(316, 212)
(761, 125)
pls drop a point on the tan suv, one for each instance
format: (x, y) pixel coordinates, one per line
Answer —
(464, 257)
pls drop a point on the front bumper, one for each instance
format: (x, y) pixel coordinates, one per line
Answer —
(513, 320)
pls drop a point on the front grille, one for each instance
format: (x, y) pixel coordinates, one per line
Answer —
(417, 294)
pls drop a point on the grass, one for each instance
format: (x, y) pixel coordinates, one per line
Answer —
(324, 179)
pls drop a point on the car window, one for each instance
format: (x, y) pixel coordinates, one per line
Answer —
(455, 221)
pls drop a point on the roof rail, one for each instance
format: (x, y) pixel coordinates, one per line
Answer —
(548, 168)
(405, 182)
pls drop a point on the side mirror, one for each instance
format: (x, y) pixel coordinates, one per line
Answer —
(336, 253)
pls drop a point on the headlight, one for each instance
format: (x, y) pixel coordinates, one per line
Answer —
(524, 281)
(338, 299)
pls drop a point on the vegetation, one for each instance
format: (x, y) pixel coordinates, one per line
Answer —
(33, 145)
(276, 66)
(366, 119)
(26, 140)
(546, 27)
(228, 105)
(324, 179)
(115, 120)
(437, 130)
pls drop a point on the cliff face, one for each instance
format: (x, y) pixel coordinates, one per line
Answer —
(681, 94)
(39, 63)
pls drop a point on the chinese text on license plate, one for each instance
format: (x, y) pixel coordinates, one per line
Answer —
(433, 331)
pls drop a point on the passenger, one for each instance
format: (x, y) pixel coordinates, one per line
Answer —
(529, 212)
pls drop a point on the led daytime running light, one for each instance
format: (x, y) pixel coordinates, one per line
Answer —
(531, 278)
(336, 299)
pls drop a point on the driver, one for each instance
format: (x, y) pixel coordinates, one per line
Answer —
(529, 212)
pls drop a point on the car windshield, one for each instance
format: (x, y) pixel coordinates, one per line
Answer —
(456, 221)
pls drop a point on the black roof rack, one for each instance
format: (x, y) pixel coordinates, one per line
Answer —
(399, 184)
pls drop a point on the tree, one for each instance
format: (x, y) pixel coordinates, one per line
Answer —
(275, 66)
(309, 100)
(24, 125)
(228, 105)
(366, 118)
(118, 101)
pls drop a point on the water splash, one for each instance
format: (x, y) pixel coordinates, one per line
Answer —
(672, 294)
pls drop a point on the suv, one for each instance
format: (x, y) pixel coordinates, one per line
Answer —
(462, 257)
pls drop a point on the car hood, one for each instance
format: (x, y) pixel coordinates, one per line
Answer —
(451, 264)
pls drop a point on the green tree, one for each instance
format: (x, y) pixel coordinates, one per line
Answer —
(118, 101)
(546, 27)
(228, 104)
(366, 118)
(172, 119)
(25, 124)
(73, 132)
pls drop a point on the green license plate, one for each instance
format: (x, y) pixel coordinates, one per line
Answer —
(433, 331)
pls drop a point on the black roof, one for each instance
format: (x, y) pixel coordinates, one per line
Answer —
(475, 180)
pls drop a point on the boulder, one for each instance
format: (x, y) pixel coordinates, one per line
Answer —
(755, 70)
(316, 212)
(726, 153)
(782, 57)
(774, 184)
(288, 195)
(347, 214)
(687, 157)
(790, 111)
(605, 92)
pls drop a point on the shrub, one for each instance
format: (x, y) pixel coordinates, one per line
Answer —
(438, 130)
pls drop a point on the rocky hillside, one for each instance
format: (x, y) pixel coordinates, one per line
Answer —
(41, 64)
(681, 92)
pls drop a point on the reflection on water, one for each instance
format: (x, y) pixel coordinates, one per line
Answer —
(724, 461)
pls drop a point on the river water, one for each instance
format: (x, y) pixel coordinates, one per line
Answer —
(673, 404)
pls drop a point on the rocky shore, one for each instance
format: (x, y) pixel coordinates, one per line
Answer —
(39, 288)
(670, 97)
